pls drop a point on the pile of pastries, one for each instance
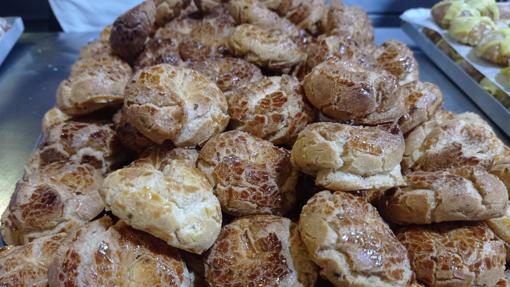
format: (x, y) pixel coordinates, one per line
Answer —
(255, 143)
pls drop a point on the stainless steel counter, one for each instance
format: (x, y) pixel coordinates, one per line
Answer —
(31, 73)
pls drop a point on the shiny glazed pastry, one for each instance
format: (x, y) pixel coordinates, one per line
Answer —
(449, 140)
(348, 91)
(250, 175)
(495, 47)
(467, 193)
(470, 30)
(349, 158)
(58, 197)
(396, 58)
(93, 84)
(260, 250)
(228, 73)
(102, 254)
(272, 109)
(455, 254)
(447, 10)
(351, 243)
(164, 102)
(422, 101)
(27, 265)
(170, 199)
(271, 49)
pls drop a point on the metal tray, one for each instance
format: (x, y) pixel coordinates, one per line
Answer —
(487, 103)
(11, 36)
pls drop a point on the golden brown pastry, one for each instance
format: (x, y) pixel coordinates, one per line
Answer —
(209, 39)
(260, 250)
(53, 117)
(163, 48)
(167, 10)
(94, 84)
(271, 49)
(206, 6)
(27, 265)
(306, 14)
(349, 158)
(455, 254)
(351, 243)
(128, 136)
(349, 91)
(495, 47)
(58, 197)
(160, 156)
(501, 227)
(350, 23)
(167, 197)
(228, 73)
(449, 140)
(272, 109)
(396, 58)
(131, 30)
(250, 175)
(98, 47)
(470, 30)
(164, 102)
(422, 101)
(102, 254)
(467, 193)
(93, 143)
(447, 10)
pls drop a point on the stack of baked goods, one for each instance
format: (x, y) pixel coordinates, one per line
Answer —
(255, 143)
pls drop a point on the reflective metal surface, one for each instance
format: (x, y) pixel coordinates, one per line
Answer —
(34, 68)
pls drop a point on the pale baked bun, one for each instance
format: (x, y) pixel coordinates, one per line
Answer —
(131, 30)
(271, 49)
(422, 101)
(102, 254)
(228, 73)
(467, 193)
(454, 254)
(250, 175)
(349, 91)
(27, 265)
(58, 197)
(164, 102)
(449, 140)
(168, 199)
(501, 227)
(501, 169)
(272, 108)
(396, 58)
(52, 117)
(93, 143)
(349, 22)
(470, 30)
(493, 47)
(351, 243)
(349, 158)
(445, 11)
(260, 250)
(93, 84)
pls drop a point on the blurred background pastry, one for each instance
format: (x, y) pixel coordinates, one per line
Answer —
(470, 30)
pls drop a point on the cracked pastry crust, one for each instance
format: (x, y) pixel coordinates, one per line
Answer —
(467, 193)
(250, 175)
(91, 143)
(351, 243)
(422, 101)
(228, 73)
(94, 84)
(501, 169)
(260, 250)
(272, 109)
(501, 227)
(128, 136)
(52, 117)
(349, 158)
(396, 58)
(27, 265)
(350, 23)
(164, 102)
(102, 254)
(455, 254)
(167, 10)
(305, 14)
(349, 91)
(58, 197)
(169, 199)
(449, 140)
(271, 49)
